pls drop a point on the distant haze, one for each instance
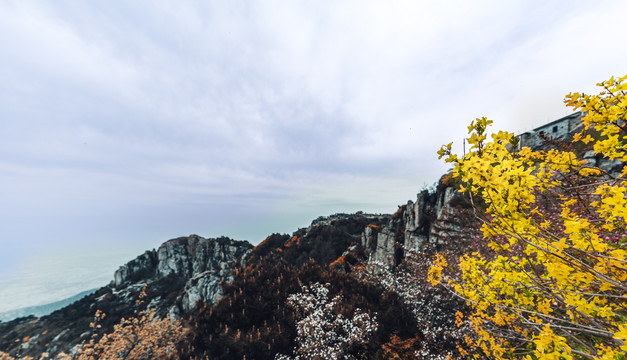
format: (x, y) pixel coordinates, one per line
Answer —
(43, 310)
(124, 124)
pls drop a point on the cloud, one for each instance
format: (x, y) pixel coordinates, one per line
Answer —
(149, 120)
(268, 89)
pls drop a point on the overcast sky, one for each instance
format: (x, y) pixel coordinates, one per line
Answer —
(124, 124)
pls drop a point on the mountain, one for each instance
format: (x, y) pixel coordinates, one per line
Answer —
(179, 273)
(253, 320)
(188, 276)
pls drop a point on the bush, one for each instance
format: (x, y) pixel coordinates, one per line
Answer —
(555, 283)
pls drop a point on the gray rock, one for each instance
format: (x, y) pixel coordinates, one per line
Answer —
(203, 265)
(432, 218)
(613, 167)
(590, 154)
(141, 267)
(205, 287)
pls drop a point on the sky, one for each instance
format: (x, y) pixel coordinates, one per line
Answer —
(124, 124)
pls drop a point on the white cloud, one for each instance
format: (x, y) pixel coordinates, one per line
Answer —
(242, 119)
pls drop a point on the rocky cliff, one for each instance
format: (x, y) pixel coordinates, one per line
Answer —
(177, 275)
(252, 319)
(184, 271)
(437, 219)
(201, 264)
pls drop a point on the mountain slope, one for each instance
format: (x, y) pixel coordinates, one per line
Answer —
(236, 294)
(179, 273)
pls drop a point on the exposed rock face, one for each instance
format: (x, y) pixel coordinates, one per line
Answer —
(206, 286)
(434, 218)
(205, 263)
(202, 263)
(142, 267)
(450, 220)
(380, 245)
(613, 167)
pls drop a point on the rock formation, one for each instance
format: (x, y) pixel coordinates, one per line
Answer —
(178, 274)
(435, 218)
(203, 264)
(184, 271)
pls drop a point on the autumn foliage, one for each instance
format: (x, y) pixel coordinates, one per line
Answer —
(143, 336)
(555, 283)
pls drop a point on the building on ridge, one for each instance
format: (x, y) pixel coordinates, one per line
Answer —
(563, 129)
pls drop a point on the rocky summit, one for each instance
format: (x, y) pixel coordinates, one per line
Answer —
(199, 264)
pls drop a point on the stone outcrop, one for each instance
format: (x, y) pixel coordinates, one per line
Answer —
(142, 267)
(435, 218)
(201, 264)
(612, 167)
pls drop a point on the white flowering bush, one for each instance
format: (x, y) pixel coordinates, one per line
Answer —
(435, 309)
(322, 332)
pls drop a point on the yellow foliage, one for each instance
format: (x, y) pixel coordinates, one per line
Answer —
(435, 272)
(555, 286)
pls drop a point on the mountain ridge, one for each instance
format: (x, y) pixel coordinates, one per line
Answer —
(187, 271)
(225, 287)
